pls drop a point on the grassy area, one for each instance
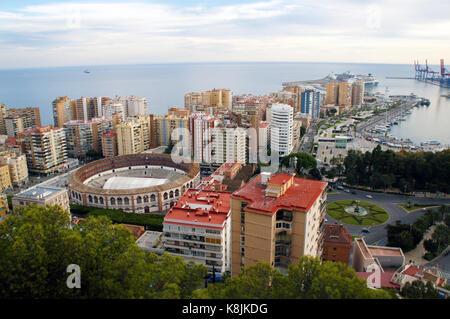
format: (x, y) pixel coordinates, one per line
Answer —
(152, 222)
(415, 206)
(376, 216)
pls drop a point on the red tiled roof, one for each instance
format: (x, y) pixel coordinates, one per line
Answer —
(337, 234)
(280, 178)
(301, 195)
(385, 280)
(201, 206)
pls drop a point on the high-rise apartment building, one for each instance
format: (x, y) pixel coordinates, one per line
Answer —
(64, 110)
(357, 93)
(310, 103)
(229, 144)
(89, 108)
(198, 228)
(132, 105)
(281, 128)
(115, 109)
(201, 127)
(109, 144)
(14, 124)
(5, 178)
(17, 163)
(339, 93)
(134, 136)
(31, 116)
(2, 119)
(164, 125)
(276, 219)
(85, 136)
(45, 148)
(297, 90)
(208, 101)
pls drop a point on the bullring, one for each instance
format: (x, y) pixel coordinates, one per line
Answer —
(138, 183)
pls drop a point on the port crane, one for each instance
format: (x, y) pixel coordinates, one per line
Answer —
(425, 73)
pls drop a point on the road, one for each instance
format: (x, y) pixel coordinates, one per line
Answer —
(308, 139)
(378, 234)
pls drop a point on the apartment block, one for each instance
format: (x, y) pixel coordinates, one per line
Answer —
(63, 110)
(2, 119)
(310, 103)
(17, 163)
(208, 101)
(229, 144)
(277, 219)
(14, 125)
(85, 136)
(132, 105)
(198, 228)
(109, 144)
(339, 93)
(281, 128)
(357, 93)
(297, 91)
(201, 128)
(43, 196)
(337, 243)
(45, 149)
(133, 137)
(164, 125)
(5, 178)
(88, 108)
(31, 116)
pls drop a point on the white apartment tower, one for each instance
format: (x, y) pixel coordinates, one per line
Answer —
(281, 128)
(229, 145)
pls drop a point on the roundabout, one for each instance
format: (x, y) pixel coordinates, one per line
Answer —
(357, 213)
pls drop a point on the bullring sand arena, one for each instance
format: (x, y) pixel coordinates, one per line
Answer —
(138, 183)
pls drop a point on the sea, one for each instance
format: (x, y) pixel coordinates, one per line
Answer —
(164, 86)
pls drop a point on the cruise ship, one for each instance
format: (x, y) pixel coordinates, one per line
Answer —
(369, 80)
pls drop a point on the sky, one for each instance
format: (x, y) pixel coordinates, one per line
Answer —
(37, 33)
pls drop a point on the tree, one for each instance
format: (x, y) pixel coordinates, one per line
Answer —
(302, 130)
(305, 161)
(37, 245)
(308, 278)
(419, 290)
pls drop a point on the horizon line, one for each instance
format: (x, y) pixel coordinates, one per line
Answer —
(202, 62)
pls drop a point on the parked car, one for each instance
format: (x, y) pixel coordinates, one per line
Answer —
(369, 196)
(340, 187)
(347, 190)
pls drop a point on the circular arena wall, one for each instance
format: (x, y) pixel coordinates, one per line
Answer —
(137, 200)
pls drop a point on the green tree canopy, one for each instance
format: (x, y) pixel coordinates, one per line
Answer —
(309, 278)
(37, 245)
(419, 290)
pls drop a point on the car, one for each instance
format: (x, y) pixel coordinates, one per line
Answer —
(340, 187)
(369, 196)
(353, 192)
(211, 278)
(366, 230)
(347, 190)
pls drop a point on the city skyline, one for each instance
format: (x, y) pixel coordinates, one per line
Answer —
(46, 34)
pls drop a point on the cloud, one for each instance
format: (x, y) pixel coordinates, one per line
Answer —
(277, 30)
